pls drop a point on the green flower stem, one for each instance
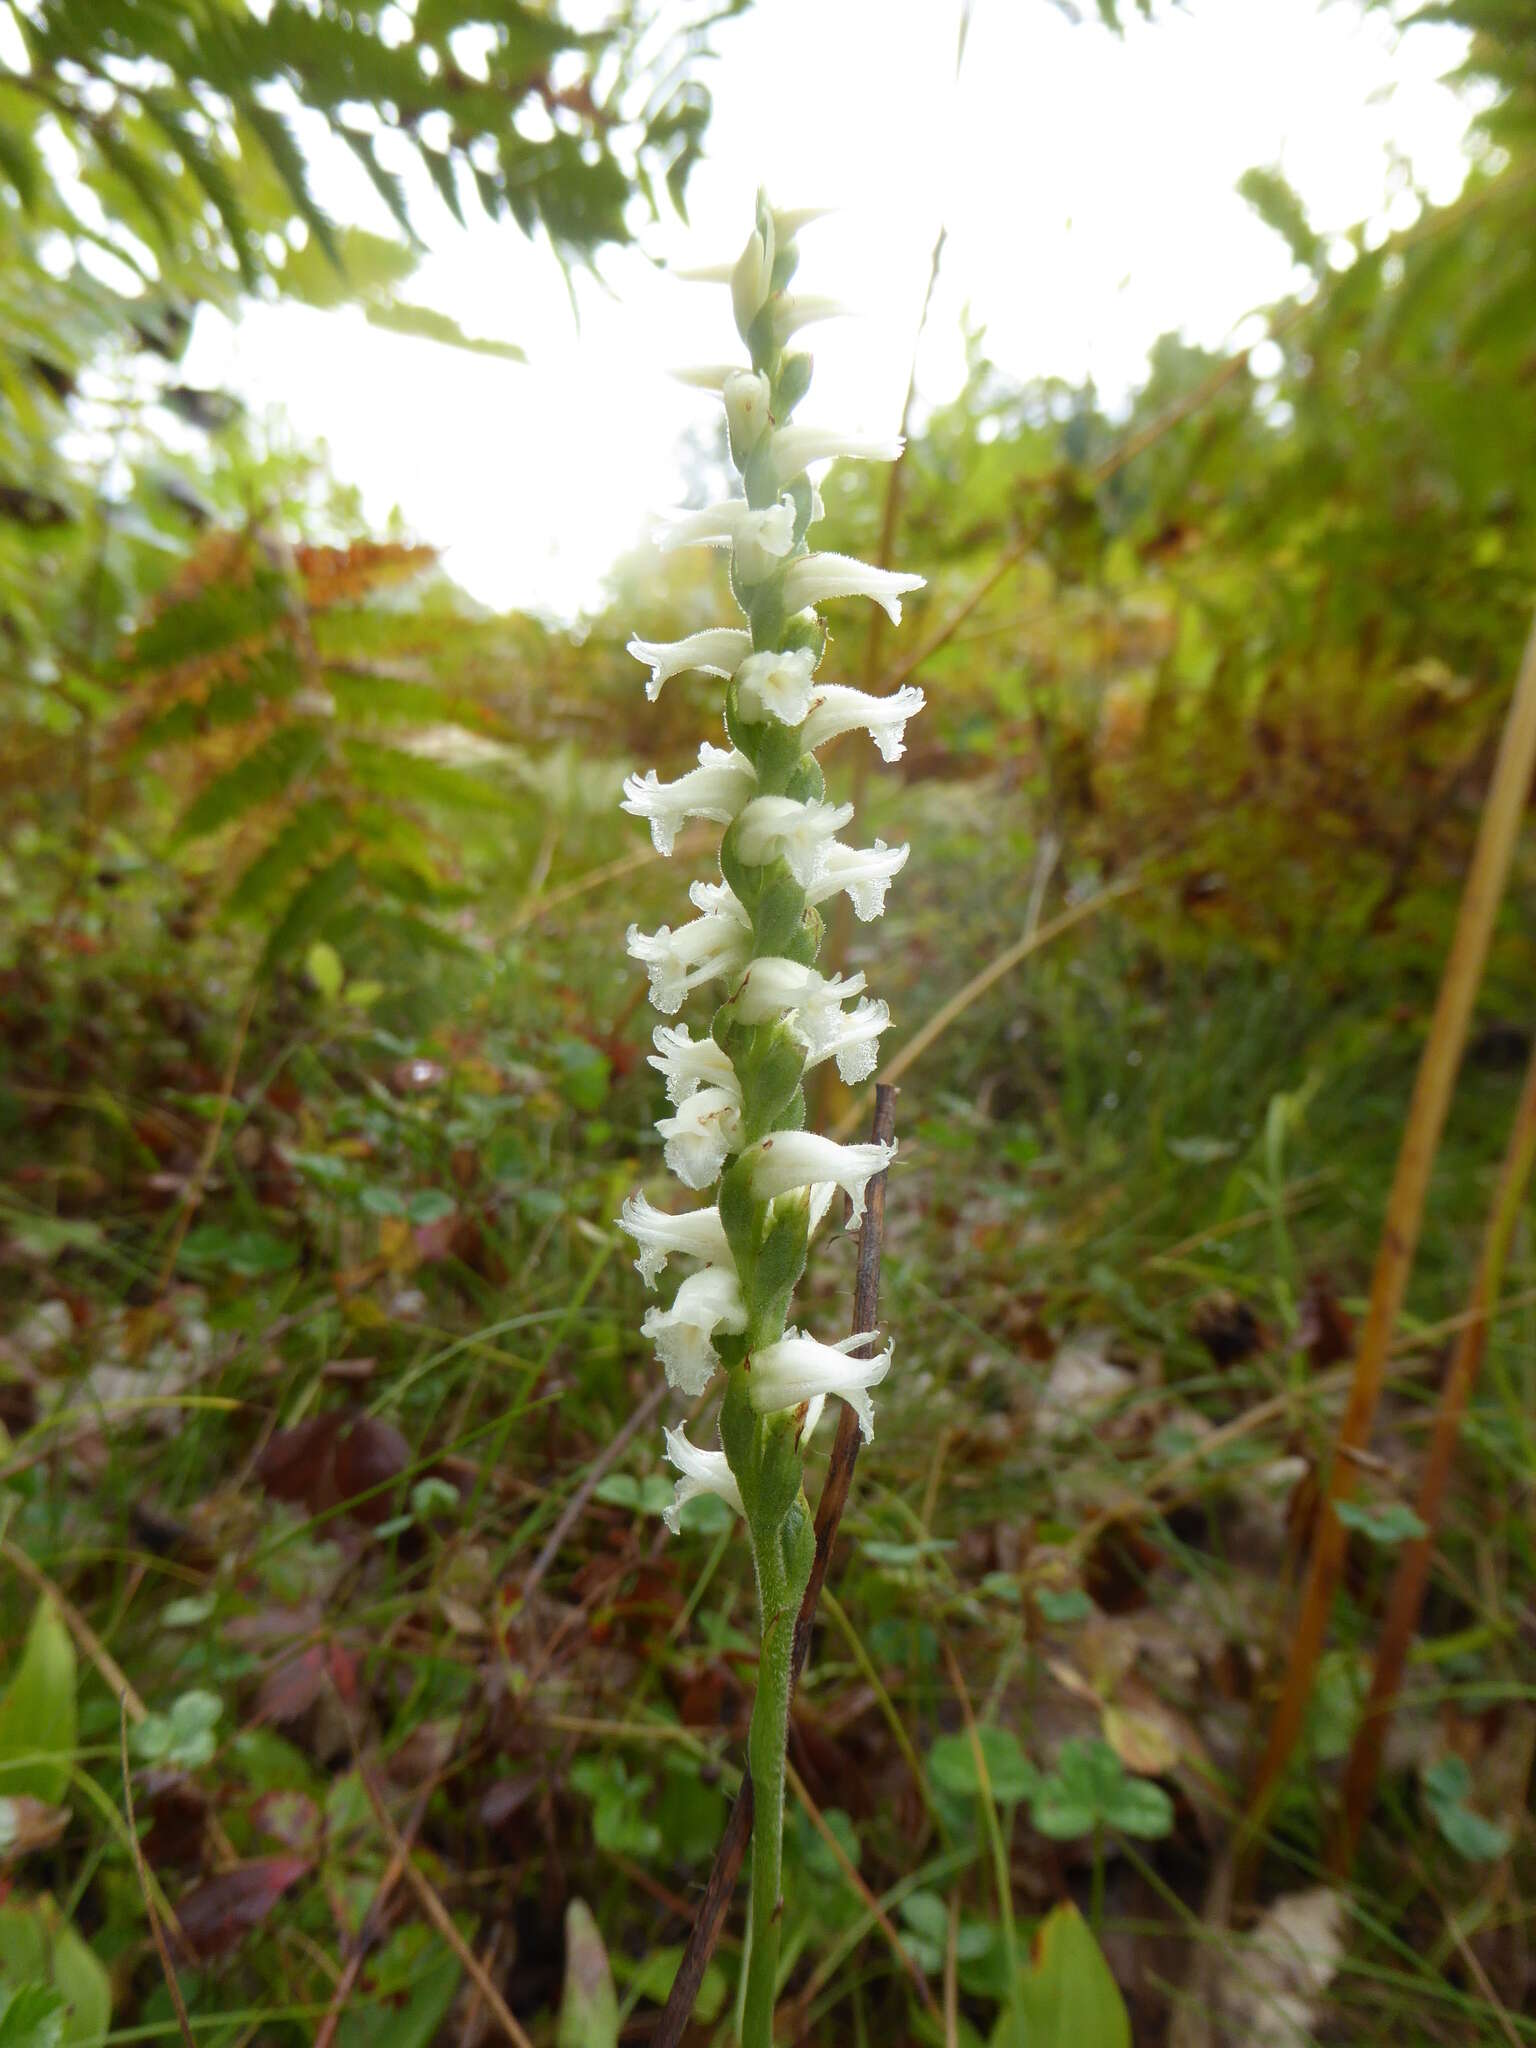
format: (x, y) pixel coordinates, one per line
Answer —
(783, 1556)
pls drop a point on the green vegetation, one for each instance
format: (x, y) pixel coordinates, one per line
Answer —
(324, 1504)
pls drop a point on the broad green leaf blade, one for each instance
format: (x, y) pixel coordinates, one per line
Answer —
(1067, 1996)
(589, 2008)
(37, 1712)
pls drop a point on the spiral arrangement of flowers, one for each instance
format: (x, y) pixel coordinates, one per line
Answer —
(737, 1098)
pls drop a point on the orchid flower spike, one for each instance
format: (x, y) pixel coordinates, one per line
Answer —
(736, 1080)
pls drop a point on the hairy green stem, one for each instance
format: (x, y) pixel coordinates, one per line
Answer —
(783, 1556)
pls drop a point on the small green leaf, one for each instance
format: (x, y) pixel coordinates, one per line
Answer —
(184, 1737)
(32, 2017)
(589, 2007)
(429, 1205)
(952, 1766)
(1389, 1523)
(37, 1712)
(1447, 1789)
(1062, 1608)
(322, 963)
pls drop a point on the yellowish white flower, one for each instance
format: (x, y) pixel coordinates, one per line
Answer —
(794, 448)
(746, 394)
(864, 873)
(791, 313)
(752, 277)
(783, 828)
(773, 988)
(702, 1135)
(697, 952)
(687, 1064)
(775, 686)
(684, 1333)
(852, 1038)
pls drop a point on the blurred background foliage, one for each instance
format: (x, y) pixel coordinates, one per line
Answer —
(322, 1076)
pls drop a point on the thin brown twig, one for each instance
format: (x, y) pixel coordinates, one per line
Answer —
(710, 1918)
(1406, 1598)
(1498, 830)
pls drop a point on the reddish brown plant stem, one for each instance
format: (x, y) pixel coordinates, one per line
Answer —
(1503, 810)
(1406, 1598)
(710, 1918)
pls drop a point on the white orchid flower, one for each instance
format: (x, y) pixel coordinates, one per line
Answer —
(683, 1334)
(865, 873)
(687, 1064)
(775, 686)
(717, 789)
(791, 312)
(774, 987)
(759, 539)
(836, 709)
(704, 1133)
(782, 827)
(717, 651)
(697, 1233)
(798, 1368)
(794, 448)
(852, 1038)
(814, 579)
(702, 1472)
(679, 961)
(785, 1160)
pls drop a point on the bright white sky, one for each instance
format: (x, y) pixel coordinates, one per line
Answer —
(1087, 185)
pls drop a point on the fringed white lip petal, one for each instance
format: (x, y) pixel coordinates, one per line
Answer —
(684, 1333)
(697, 1233)
(702, 1472)
(815, 579)
(835, 708)
(702, 1135)
(717, 789)
(717, 651)
(864, 874)
(794, 448)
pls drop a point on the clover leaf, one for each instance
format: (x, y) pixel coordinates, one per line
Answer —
(1091, 1788)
